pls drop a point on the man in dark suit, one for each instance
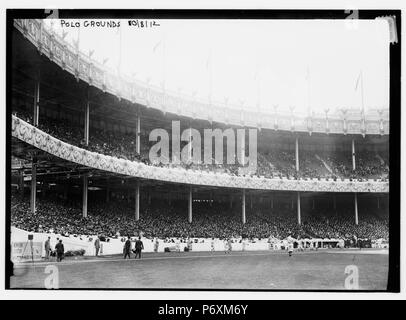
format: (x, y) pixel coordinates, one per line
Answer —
(127, 248)
(139, 246)
(60, 250)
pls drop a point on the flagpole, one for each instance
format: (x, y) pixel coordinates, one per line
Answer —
(78, 39)
(164, 62)
(362, 92)
(308, 91)
(258, 87)
(164, 68)
(210, 76)
(120, 52)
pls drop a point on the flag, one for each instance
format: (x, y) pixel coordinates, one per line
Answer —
(105, 61)
(76, 44)
(359, 79)
(156, 46)
(91, 53)
(64, 34)
(208, 61)
(307, 73)
(118, 32)
(307, 77)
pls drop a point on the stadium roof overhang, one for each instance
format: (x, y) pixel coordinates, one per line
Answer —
(61, 91)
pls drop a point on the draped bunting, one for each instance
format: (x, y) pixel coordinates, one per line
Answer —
(43, 141)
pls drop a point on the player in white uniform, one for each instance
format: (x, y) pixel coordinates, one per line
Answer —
(212, 245)
(290, 245)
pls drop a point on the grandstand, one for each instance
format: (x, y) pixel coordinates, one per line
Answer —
(81, 166)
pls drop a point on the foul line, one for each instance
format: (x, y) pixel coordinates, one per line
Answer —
(71, 262)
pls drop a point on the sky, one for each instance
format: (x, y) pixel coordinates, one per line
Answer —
(306, 64)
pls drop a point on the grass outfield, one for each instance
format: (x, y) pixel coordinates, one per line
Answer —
(324, 270)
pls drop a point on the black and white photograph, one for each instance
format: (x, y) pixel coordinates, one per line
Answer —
(186, 150)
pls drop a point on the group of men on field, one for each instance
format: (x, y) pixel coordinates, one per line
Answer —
(59, 250)
(139, 246)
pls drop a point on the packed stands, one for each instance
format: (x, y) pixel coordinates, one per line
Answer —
(271, 163)
(209, 221)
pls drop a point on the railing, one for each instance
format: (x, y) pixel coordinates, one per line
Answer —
(45, 142)
(82, 67)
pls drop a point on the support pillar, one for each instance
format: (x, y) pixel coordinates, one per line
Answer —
(190, 205)
(84, 199)
(36, 101)
(33, 197)
(299, 219)
(87, 117)
(65, 193)
(379, 205)
(138, 144)
(272, 201)
(137, 201)
(21, 183)
(243, 206)
(356, 208)
(297, 153)
(335, 202)
(353, 154)
(107, 194)
(242, 162)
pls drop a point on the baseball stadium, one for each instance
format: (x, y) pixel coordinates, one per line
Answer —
(311, 214)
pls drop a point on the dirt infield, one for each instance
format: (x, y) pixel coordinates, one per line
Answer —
(323, 270)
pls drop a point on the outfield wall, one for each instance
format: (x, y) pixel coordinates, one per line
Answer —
(21, 246)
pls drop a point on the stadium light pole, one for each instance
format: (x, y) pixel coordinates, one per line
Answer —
(356, 207)
(137, 201)
(243, 206)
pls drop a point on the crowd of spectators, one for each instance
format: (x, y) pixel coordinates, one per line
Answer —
(270, 163)
(209, 221)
